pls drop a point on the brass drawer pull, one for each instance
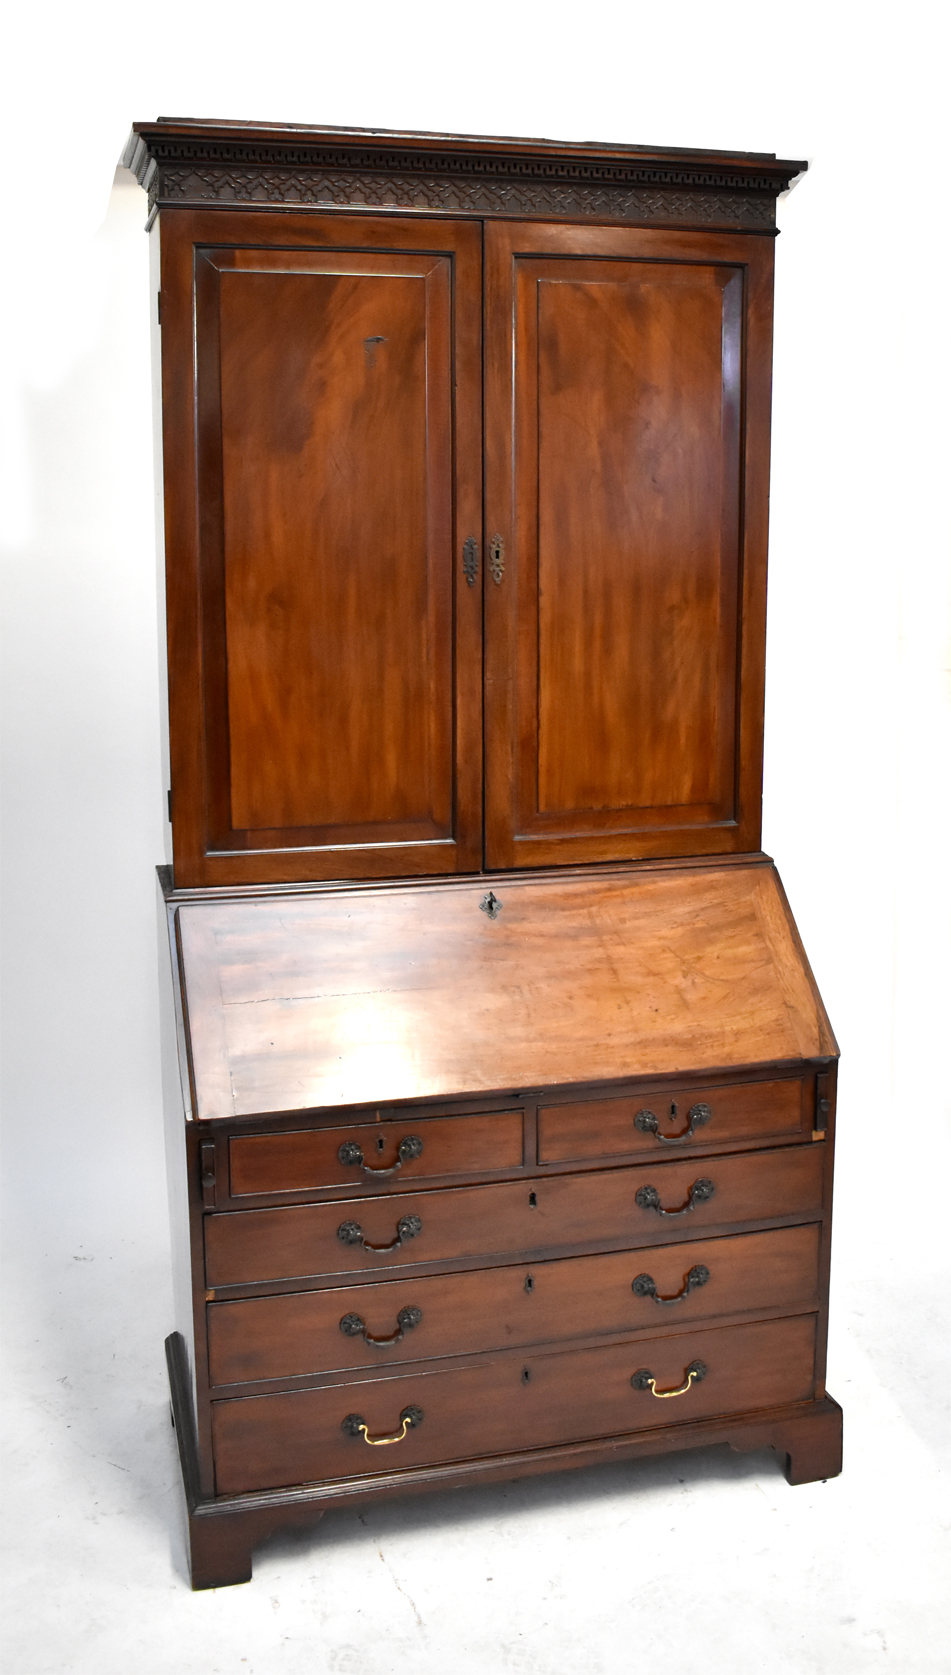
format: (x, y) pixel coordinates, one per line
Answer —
(352, 1326)
(648, 1198)
(647, 1123)
(644, 1380)
(355, 1426)
(409, 1148)
(643, 1285)
(351, 1233)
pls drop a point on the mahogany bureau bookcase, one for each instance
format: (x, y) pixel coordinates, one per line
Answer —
(500, 1097)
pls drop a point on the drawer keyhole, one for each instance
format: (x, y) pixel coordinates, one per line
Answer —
(533, 1200)
(380, 1143)
(526, 1375)
(529, 1282)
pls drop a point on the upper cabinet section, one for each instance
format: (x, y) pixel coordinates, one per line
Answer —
(410, 636)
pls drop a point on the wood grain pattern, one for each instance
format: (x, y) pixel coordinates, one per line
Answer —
(267, 1441)
(336, 435)
(339, 998)
(526, 1217)
(632, 383)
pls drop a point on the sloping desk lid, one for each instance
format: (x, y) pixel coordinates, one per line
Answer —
(359, 996)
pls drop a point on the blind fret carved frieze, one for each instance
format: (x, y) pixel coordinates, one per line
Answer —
(272, 187)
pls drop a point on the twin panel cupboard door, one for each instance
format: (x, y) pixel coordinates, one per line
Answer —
(625, 369)
(325, 676)
(356, 557)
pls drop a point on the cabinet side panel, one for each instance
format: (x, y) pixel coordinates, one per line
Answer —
(176, 1101)
(155, 298)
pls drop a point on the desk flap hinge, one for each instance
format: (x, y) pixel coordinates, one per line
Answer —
(823, 1101)
(207, 1159)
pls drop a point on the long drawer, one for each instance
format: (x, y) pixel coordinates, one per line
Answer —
(373, 1155)
(674, 1117)
(510, 1404)
(454, 1314)
(637, 1206)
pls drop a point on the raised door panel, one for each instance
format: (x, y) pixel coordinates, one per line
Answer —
(338, 476)
(625, 633)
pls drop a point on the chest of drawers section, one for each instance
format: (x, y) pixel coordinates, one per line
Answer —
(430, 1290)
(481, 1184)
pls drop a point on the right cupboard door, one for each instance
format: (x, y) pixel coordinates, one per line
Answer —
(627, 416)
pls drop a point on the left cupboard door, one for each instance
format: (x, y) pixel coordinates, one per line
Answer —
(323, 474)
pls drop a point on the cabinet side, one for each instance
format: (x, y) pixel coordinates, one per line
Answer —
(155, 318)
(176, 1101)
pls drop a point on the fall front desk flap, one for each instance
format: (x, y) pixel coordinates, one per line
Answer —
(350, 996)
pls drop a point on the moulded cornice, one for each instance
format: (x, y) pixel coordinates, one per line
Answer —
(220, 164)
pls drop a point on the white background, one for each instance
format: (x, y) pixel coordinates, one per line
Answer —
(857, 806)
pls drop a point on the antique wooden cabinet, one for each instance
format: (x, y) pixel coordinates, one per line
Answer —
(500, 1096)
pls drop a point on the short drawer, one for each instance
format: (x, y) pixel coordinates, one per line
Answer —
(371, 1155)
(510, 1404)
(659, 1121)
(661, 1200)
(455, 1314)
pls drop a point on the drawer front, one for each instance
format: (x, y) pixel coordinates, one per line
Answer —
(658, 1122)
(374, 1155)
(454, 1314)
(677, 1197)
(511, 1404)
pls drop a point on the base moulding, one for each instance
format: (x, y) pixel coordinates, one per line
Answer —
(223, 1532)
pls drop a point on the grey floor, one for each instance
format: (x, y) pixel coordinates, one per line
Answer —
(700, 1562)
